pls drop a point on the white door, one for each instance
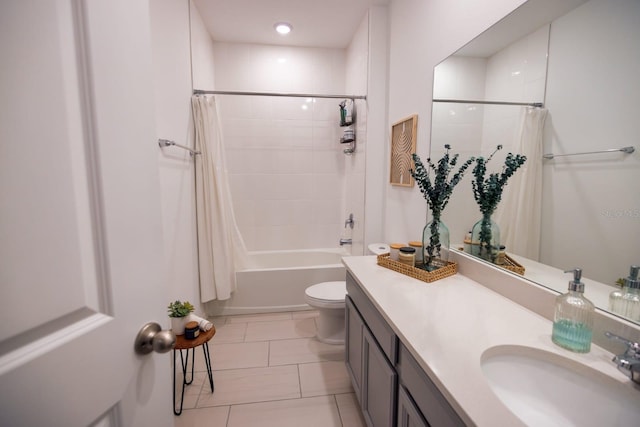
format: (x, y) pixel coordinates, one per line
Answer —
(80, 233)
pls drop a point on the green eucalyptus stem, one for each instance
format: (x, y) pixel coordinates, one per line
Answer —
(434, 247)
(485, 237)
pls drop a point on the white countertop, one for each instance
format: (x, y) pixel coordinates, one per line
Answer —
(448, 324)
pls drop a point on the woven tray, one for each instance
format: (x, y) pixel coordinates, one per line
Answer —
(512, 265)
(447, 269)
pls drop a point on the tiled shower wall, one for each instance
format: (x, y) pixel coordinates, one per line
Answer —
(287, 168)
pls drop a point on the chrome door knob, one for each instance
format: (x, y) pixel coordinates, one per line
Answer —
(152, 338)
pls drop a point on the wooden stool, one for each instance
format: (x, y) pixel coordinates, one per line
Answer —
(184, 344)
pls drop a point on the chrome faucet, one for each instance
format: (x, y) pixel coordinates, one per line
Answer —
(345, 242)
(349, 222)
(628, 362)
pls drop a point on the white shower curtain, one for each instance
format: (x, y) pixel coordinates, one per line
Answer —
(221, 249)
(519, 215)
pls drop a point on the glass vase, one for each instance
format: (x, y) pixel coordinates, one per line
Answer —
(485, 239)
(435, 243)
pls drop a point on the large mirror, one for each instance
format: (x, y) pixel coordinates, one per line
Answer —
(581, 60)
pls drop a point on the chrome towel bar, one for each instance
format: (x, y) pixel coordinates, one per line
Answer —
(627, 150)
(168, 143)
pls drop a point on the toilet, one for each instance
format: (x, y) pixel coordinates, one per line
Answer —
(328, 298)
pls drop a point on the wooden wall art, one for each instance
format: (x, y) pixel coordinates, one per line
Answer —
(403, 144)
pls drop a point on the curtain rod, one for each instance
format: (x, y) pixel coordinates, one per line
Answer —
(463, 101)
(293, 95)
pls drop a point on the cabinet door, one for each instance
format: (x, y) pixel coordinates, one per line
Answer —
(408, 413)
(425, 394)
(379, 381)
(353, 352)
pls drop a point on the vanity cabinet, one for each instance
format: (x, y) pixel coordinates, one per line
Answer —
(392, 388)
(373, 377)
(408, 413)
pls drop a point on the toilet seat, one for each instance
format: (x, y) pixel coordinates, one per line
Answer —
(326, 294)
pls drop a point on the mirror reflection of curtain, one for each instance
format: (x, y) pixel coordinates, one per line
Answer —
(519, 214)
(221, 248)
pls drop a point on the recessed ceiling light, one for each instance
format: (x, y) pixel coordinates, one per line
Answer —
(283, 28)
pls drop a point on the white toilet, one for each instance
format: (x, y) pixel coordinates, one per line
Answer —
(328, 298)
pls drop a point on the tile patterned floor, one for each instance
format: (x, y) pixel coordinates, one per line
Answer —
(269, 370)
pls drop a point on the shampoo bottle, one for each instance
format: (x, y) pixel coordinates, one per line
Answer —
(573, 319)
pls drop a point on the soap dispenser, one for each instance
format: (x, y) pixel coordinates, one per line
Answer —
(631, 295)
(573, 318)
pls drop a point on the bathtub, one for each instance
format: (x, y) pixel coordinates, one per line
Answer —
(276, 280)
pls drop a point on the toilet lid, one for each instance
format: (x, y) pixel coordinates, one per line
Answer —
(328, 291)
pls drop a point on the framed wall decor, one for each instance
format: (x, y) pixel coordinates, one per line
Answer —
(403, 144)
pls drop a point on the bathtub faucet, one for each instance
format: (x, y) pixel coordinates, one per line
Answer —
(345, 242)
(349, 222)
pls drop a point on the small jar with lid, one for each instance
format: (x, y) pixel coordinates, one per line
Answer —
(467, 242)
(395, 248)
(501, 257)
(407, 255)
(417, 245)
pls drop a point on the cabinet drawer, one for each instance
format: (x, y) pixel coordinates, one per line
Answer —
(426, 395)
(373, 319)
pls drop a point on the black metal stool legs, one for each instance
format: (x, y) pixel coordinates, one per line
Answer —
(207, 361)
(184, 363)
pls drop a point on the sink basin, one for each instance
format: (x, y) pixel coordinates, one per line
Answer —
(545, 389)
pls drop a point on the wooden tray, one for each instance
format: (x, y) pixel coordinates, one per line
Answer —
(512, 265)
(447, 269)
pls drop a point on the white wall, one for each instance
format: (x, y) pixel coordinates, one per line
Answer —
(377, 124)
(172, 83)
(423, 33)
(593, 105)
(203, 66)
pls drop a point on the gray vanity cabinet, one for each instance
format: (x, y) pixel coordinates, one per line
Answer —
(379, 384)
(353, 353)
(389, 383)
(372, 375)
(408, 413)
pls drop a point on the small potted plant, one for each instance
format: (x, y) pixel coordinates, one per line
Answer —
(179, 313)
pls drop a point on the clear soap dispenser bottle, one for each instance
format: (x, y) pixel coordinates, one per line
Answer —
(573, 319)
(631, 295)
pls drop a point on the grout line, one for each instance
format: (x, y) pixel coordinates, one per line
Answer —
(299, 380)
(269, 354)
(338, 408)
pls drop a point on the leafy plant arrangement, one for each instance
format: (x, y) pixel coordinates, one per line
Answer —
(180, 309)
(488, 191)
(437, 193)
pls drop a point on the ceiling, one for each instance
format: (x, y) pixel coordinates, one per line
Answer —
(316, 23)
(527, 18)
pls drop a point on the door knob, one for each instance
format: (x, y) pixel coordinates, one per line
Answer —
(152, 338)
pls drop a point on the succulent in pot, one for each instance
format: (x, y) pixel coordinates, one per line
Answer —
(178, 312)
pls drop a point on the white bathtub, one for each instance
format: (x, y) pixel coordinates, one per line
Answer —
(276, 280)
